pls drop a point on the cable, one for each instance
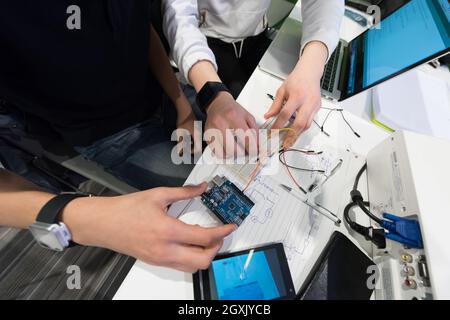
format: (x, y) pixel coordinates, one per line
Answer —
(348, 124)
(402, 230)
(376, 236)
(292, 176)
(260, 162)
(282, 158)
(347, 209)
(332, 109)
(368, 213)
(321, 129)
(252, 177)
(358, 176)
(307, 152)
(326, 118)
(341, 111)
(357, 198)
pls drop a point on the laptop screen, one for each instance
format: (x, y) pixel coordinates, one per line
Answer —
(418, 31)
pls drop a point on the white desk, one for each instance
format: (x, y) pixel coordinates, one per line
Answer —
(149, 282)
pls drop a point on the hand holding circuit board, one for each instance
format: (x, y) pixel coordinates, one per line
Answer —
(227, 201)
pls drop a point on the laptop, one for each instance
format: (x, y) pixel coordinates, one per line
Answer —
(414, 34)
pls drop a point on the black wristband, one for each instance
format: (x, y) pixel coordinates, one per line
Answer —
(208, 93)
(50, 212)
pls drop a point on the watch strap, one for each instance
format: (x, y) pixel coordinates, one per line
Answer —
(208, 93)
(52, 209)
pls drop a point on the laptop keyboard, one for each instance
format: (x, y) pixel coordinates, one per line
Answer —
(329, 75)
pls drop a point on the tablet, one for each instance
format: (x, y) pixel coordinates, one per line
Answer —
(340, 273)
(256, 274)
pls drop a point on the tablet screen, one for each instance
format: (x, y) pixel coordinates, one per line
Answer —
(257, 274)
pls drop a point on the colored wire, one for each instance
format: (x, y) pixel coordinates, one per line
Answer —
(282, 159)
(252, 177)
(307, 152)
(260, 162)
(283, 155)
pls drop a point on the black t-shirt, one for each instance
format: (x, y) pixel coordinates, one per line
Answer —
(84, 83)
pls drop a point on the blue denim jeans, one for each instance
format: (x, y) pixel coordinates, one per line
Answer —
(139, 155)
(17, 160)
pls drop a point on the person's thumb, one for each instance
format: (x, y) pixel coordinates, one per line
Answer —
(171, 195)
(223, 231)
(200, 236)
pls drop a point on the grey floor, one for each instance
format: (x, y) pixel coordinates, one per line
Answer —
(28, 271)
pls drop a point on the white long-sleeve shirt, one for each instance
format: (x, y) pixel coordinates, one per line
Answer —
(187, 23)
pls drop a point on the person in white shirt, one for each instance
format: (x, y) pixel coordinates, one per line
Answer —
(189, 25)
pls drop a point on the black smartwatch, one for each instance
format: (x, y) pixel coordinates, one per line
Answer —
(48, 230)
(208, 93)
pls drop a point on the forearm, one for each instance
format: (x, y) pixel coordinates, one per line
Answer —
(162, 70)
(202, 72)
(313, 59)
(20, 200)
(321, 22)
(189, 46)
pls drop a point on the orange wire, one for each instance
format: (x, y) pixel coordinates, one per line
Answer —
(252, 176)
(290, 173)
(256, 170)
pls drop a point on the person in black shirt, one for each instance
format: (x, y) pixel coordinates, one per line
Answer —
(90, 73)
(92, 87)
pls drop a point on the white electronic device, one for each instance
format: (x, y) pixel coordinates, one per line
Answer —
(415, 101)
(409, 176)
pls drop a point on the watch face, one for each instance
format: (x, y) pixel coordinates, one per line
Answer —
(44, 235)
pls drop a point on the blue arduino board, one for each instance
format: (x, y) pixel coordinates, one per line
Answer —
(227, 201)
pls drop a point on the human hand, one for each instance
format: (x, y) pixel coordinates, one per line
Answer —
(186, 124)
(225, 113)
(138, 225)
(300, 93)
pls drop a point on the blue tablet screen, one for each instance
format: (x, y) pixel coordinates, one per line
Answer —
(252, 276)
